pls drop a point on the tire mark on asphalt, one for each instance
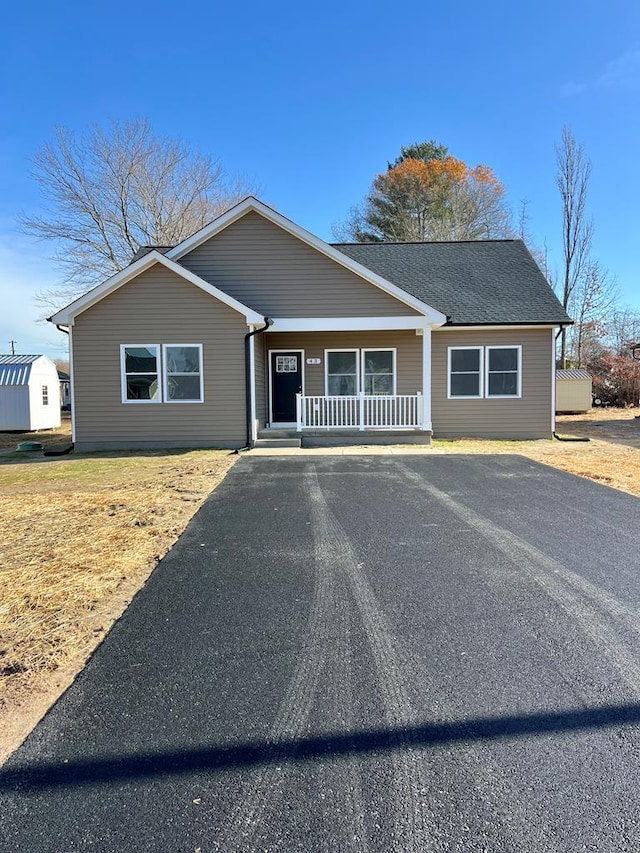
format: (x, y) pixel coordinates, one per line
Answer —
(326, 647)
(340, 777)
(590, 607)
(264, 785)
(414, 825)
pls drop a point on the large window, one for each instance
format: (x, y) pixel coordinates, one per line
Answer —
(491, 372)
(182, 373)
(503, 371)
(140, 370)
(372, 371)
(465, 372)
(378, 371)
(171, 373)
(342, 372)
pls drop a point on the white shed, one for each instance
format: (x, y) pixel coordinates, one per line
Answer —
(573, 391)
(29, 393)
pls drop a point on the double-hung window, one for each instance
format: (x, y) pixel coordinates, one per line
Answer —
(161, 373)
(485, 372)
(465, 371)
(503, 372)
(182, 373)
(140, 364)
(350, 371)
(342, 372)
(378, 372)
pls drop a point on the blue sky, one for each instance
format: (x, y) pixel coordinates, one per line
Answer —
(310, 101)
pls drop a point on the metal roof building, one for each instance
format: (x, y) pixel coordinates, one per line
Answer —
(29, 393)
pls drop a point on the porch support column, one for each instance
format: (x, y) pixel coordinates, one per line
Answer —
(426, 378)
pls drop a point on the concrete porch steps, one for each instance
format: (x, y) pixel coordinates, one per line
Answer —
(278, 442)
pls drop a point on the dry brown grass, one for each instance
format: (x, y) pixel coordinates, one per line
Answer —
(80, 536)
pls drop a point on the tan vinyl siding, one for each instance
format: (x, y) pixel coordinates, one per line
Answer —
(261, 386)
(159, 307)
(408, 347)
(278, 275)
(526, 417)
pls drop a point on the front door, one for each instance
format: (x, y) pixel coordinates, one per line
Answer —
(286, 382)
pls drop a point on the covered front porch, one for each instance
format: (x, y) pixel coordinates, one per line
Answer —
(344, 386)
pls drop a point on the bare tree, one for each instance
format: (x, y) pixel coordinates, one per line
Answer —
(116, 189)
(572, 179)
(623, 329)
(592, 298)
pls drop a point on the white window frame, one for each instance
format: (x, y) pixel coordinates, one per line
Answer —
(123, 374)
(394, 372)
(483, 384)
(163, 396)
(518, 394)
(45, 395)
(480, 393)
(354, 350)
(165, 374)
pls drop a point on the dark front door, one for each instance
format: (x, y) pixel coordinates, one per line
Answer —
(286, 382)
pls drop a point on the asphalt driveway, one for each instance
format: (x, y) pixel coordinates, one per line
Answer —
(360, 654)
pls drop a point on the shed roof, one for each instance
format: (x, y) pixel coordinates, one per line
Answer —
(573, 374)
(16, 369)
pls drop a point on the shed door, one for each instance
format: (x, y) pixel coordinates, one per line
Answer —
(286, 382)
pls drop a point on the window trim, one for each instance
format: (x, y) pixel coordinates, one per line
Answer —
(326, 370)
(518, 394)
(123, 375)
(479, 395)
(483, 384)
(166, 374)
(394, 371)
(44, 390)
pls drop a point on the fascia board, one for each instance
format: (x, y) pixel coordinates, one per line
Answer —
(346, 324)
(253, 204)
(497, 327)
(67, 315)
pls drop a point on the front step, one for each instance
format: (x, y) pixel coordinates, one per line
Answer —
(277, 442)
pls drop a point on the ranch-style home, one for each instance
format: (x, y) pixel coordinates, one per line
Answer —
(253, 327)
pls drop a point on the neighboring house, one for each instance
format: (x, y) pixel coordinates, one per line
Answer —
(29, 393)
(253, 323)
(574, 391)
(65, 389)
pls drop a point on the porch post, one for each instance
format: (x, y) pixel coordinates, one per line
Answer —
(298, 412)
(426, 378)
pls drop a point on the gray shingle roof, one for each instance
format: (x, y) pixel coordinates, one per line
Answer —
(473, 283)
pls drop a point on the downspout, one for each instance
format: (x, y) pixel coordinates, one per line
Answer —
(68, 449)
(247, 376)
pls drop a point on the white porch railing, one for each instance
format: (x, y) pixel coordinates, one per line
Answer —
(359, 411)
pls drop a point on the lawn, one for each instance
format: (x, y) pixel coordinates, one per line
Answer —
(81, 535)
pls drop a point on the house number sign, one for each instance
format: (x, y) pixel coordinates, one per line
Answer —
(314, 361)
